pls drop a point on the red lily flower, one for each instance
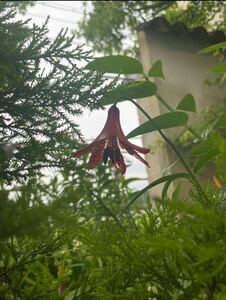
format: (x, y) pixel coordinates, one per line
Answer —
(107, 143)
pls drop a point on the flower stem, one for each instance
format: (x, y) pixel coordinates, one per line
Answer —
(193, 177)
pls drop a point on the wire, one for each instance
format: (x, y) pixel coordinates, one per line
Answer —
(53, 19)
(68, 9)
(58, 4)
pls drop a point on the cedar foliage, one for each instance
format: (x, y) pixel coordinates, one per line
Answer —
(39, 104)
(38, 129)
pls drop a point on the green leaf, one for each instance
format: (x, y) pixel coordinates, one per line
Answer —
(218, 69)
(135, 90)
(221, 121)
(164, 121)
(219, 66)
(213, 48)
(187, 103)
(165, 189)
(156, 70)
(118, 64)
(132, 179)
(201, 148)
(175, 193)
(151, 185)
(217, 123)
(167, 185)
(207, 157)
(70, 295)
(209, 128)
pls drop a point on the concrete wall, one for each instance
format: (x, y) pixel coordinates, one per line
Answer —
(185, 71)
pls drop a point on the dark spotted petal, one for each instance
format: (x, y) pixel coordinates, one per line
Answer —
(131, 151)
(119, 162)
(97, 154)
(117, 154)
(84, 151)
(135, 154)
(137, 148)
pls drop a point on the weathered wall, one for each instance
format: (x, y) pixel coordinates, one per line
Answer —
(185, 71)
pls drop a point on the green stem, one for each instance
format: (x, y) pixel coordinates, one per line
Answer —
(171, 109)
(110, 214)
(164, 102)
(148, 187)
(194, 179)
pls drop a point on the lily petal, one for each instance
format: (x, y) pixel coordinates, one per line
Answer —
(138, 148)
(132, 152)
(83, 151)
(141, 159)
(97, 154)
(122, 138)
(120, 164)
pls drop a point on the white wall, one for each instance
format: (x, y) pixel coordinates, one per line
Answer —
(185, 71)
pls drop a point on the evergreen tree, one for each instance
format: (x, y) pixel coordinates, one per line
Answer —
(42, 90)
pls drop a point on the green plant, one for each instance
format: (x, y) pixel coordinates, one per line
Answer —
(39, 104)
(84, 234)
(107, 24)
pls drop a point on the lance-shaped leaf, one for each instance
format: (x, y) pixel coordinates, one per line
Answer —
(217, 123)
(156, 70)
(205, 159)
(209, 128)
(165, 189)
(219, 66)
(204, 152)
(213, 48)
(164, 121)
(187, 103)
(168, 178)
(221, 121)
(135, 90)
(118, 64)
(201, 148)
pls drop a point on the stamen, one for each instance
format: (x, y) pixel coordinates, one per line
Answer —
(117, 154)
(107, 154)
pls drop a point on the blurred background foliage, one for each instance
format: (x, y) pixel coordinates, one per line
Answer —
(59, 235)
(110, 26)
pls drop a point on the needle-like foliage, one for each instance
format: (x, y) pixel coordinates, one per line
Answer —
(42, 91)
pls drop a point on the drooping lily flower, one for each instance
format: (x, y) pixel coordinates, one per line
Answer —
(108, 142)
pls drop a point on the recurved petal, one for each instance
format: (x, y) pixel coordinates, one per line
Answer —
(83, 151)
(135, 154)
(97, 154)
(131, 151)
(137, 148)
(127, 145)
(87, 149)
